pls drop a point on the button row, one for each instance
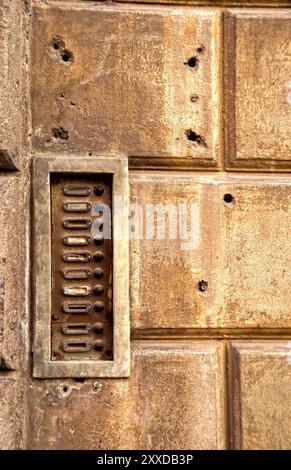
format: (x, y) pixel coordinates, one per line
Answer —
(86, 273)
(82, 257)
(82, 240)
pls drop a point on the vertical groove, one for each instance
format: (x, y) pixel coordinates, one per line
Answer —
(234, 411)
(26, 130)
(227, 394)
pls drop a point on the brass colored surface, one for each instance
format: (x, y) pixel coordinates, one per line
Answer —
(197, 95)
(174, 399)
(130, 84)
(260, 398)
(257, 89)
(242, 252)
(77, 281)
(70, 283)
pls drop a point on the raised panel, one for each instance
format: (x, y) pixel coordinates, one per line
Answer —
(260, 378)
(174, 399)
(12, 413)
(257, 89)
(10, 83)
(142, 82)
(12, 275)
(236, 271)
(81, 326)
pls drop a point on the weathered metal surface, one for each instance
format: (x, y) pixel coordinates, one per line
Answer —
(234, 284)
(260, 394)
(143, 83)
(70, 283)
(11, 413)
(257, 89)
(12, 272)
(209, 3)
(64, 257)
(11, 84)
(180, 381)
(240, 251)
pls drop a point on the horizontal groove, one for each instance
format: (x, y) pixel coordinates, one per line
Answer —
(225, 333)
(192, 3)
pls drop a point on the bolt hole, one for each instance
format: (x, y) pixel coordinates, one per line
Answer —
(60, 133)
(202, 286)
(67, 56)
(200, 49)
(90, 154)
(228, 198)
(57, 43)
(194, 137)
(96, 386)
(65, 388)
(194, 98)
(192, 62)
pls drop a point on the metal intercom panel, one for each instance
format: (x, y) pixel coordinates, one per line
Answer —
(81, 267)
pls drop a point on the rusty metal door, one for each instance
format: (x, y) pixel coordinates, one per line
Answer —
(196, 97)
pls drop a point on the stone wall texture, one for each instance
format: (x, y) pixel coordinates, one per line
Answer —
(197, 94)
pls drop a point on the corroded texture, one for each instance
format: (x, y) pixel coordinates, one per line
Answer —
(182, 409)
(11, 413)
(242, 253)
(43, 365)
(10, 82)
(258, 89)
(110, 78)
(117, 80)
(11, 272)
(261, 386)
(225, 3)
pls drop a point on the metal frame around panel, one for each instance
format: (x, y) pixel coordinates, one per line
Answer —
(43, 366)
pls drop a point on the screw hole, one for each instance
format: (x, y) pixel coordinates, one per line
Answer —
(200, 49)
(194, 98)
(193, 137)
(202, 286)
(96, 386)
(60, 133)
(65, 388)
(67, 56)
(228, 198)
(192, 62)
